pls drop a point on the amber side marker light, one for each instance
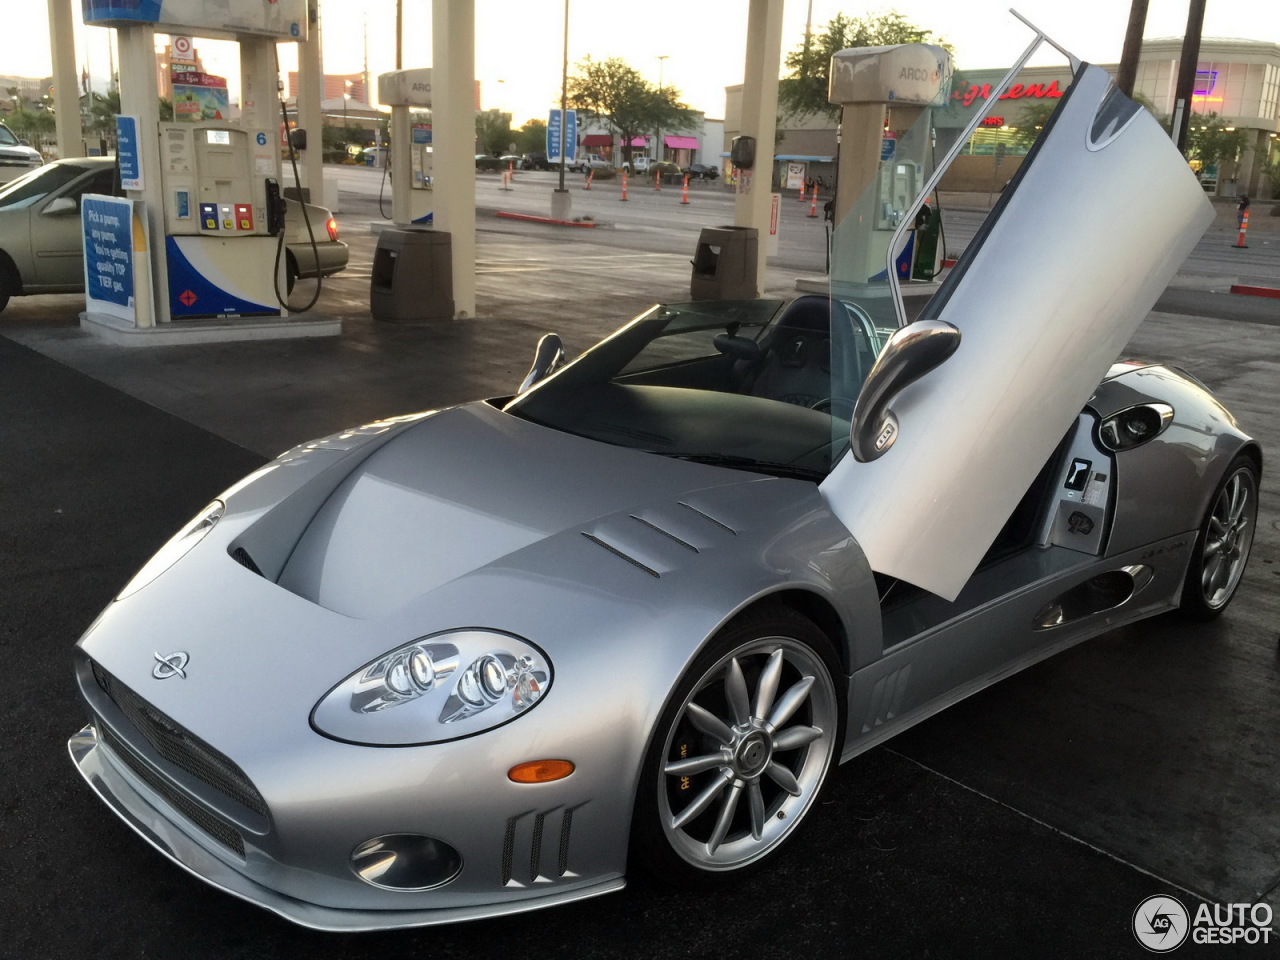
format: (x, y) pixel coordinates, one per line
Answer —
(540, 771)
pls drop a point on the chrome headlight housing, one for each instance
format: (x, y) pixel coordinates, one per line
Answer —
(176, 548)
(437, 688)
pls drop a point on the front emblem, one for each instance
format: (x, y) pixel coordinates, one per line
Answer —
(174, 665)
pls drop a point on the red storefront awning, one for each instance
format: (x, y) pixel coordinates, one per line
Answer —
(681, 143)
(597, 140)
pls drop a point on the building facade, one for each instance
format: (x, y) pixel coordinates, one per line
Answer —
(1239, 80)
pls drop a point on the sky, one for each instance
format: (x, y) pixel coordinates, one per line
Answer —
(697, 48)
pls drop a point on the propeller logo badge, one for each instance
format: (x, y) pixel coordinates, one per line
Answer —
(172, 665)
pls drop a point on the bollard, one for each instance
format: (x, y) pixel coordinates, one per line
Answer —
(815, 190)
(813, 203)
(624, 186)
(684, 193)
(1244, 226)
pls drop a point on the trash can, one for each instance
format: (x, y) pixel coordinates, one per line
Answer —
(724, 264)
(412, 276)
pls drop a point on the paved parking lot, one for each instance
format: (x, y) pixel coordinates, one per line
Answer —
(1027, 821)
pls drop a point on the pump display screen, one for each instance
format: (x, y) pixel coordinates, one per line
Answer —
(218, 136)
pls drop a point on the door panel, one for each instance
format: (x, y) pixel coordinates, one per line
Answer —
(1073, 257)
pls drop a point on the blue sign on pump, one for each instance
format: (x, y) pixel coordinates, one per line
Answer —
(570, 136)
(127, 153)
(107, 223)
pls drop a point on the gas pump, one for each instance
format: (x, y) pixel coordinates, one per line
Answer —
(885, 95)
(411, 143)
(222, 213)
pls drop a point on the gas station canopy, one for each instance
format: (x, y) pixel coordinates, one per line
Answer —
(230, 19)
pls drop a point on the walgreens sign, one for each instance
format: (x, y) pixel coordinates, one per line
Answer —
(1016, 92)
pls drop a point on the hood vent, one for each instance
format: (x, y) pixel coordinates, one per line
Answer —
(710, 519)
(666, 533)
(625, 556)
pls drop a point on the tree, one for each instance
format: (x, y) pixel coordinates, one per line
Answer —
(532, 137)
(1213, 141)
(803, 91)
(493, 132)
(616, 94)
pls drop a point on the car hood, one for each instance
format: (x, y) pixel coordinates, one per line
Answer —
(463, 490)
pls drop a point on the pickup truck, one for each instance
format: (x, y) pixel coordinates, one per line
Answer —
(590, 161)
(639, 165)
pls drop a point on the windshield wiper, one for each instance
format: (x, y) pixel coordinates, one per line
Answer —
(785, 470)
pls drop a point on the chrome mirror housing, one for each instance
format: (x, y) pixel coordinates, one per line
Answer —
(910, 353)
(548, 357)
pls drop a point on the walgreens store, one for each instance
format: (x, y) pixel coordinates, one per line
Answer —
(1239, 80)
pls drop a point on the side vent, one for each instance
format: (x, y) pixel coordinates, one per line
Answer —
(886, 698)
(537, 831)
(241, 556)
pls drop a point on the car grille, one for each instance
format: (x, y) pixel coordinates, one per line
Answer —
(181, 747)
(210, 823)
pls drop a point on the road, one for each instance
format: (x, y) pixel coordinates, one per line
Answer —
(1027, 821)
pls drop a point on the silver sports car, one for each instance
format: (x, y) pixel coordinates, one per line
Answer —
(491, 658)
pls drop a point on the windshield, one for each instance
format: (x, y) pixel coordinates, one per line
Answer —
(739, 383)
(7, 138)
(37, 185)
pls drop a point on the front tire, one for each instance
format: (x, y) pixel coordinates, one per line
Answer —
(742, 749)
(1222, 546)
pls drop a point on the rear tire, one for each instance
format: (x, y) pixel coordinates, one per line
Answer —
(1222, 546)
(742, 749)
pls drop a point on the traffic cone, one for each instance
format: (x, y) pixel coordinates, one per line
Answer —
(1244, 226)
(590, 176)
(657, 180)
(684, 194)
(815, 188)
(624, 185)
(813, 203)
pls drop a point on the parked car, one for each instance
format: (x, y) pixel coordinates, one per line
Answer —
(590, 161)
(41, 248)
(498, 656)
(535, 161)
(639, 165)
(17, 158)
(702, 171)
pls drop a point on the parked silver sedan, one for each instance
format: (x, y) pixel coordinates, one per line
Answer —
(41, 239)
(497, 657)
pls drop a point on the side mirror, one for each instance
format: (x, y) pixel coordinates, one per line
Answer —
(910, 353)
(548, 357)
(61, 207)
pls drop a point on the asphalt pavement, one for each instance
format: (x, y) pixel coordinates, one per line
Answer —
(1028, 821)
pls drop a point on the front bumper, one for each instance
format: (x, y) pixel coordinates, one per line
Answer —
(141, 808)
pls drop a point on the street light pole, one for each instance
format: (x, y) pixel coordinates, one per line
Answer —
(657, 134)
(561, 204)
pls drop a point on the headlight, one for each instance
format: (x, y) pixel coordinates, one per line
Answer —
(437, 688)
(173, 551)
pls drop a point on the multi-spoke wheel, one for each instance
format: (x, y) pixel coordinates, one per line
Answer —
(742, 749)
(1222, 547)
